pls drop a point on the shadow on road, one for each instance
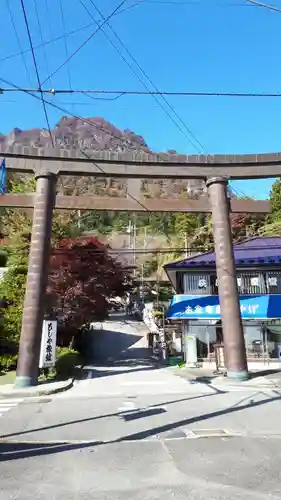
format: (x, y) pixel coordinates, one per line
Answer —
(105, 345)
(91, 419)
(16, 451)
(96, 373)
(191, 420)
(13, 451)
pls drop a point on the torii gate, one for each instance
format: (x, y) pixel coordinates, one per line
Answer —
(217, 170)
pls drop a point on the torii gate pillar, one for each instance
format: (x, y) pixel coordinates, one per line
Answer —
(34, 307)
(234, 342)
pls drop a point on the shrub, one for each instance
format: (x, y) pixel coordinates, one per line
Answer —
(158, 314)
(8, 362)
(3, 259)
(66, 363)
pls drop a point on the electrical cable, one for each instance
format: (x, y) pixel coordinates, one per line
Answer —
(66, 50)
(65, 43)
(81, 150)
(137, 76)
(188, 130)
(53, 40)
(103, 98)
(41, 35)
(123, 251)
(264, 5)
(90, 124)
(36, 70)
(85, 42)
(56, 106)
(69, 33)
(141, 251)
(194, 4)
(147, 93)
(18, 40)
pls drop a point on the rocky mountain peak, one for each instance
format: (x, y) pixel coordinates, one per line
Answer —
(95, 133)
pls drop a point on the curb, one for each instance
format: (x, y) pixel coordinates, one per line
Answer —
(35, 394)
(242, 386)
(225, 383)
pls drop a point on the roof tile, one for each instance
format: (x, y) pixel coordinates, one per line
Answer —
(262, 250)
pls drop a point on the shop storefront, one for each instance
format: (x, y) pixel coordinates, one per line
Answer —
(196, 303)
(262, 339)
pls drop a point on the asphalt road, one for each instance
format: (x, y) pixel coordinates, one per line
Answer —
(128, 429)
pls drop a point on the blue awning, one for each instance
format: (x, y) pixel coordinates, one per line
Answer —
(208, 307)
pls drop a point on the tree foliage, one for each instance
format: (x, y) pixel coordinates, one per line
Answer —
(12, 287)
(82, 278)
(275, 202)
(246, 225)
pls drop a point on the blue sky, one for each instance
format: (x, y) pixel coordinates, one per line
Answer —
(196, 45)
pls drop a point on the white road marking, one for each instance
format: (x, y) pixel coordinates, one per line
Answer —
(14, 400)
(127, 406)
(164, 408)
(7, 404)
(145, 382)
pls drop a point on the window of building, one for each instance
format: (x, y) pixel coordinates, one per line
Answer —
(248, 283)
(214, 284)
(254, 341)
(273, 281)
(197, 284)
(251, 282)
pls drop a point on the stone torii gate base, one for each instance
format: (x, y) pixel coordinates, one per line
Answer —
(47, 166)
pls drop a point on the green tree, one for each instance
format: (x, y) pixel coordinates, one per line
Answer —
(275, 201)
(186, 223)
(12, 286)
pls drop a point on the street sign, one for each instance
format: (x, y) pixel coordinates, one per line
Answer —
(48, 344)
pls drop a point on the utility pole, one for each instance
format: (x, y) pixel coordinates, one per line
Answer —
(134, 242)
(79, 218)
(129, 232)
(186, 245)
(132, 232)
(145, 239)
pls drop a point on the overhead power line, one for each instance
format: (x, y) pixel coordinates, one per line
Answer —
(47, 42)
(18, 40)
(41, 35)
(187, 132)
(63, 110)
(187, 129)
(80, 149)
(36, 70)
(65, 43)
(69, 33)
(85, 41)
(120, 93)
(266, 6)
(194, 3)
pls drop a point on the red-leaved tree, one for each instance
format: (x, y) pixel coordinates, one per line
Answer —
(246, 225)
(82, 278)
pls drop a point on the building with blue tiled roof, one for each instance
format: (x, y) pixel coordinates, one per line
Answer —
(196, 302)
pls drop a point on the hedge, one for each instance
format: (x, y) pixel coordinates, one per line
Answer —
(66, 364)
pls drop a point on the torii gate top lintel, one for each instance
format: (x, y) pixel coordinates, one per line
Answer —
(127, 164)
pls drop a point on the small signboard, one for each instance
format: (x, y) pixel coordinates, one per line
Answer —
(48, 344)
